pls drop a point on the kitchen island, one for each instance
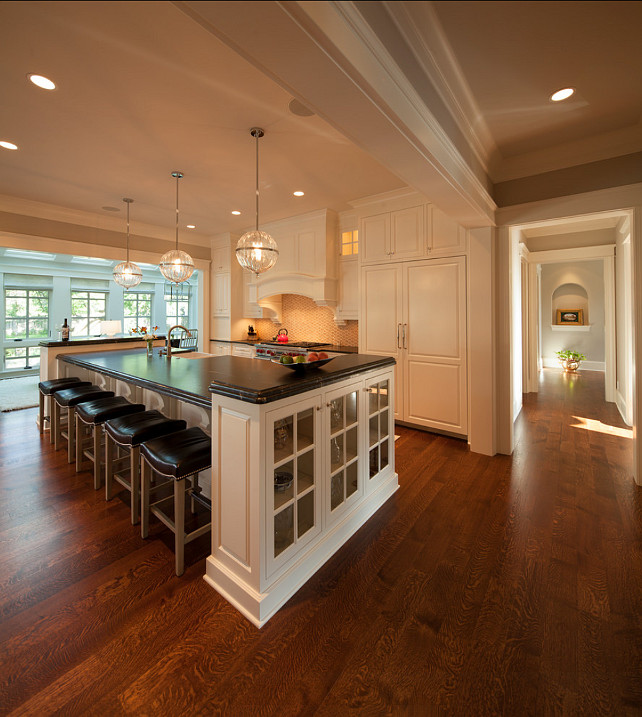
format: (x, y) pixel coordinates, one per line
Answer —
(300, 459)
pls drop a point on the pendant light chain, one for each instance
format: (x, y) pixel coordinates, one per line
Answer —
(128, 202)
(178, 175)
(127, 274)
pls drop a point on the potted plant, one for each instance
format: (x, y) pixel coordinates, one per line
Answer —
(570, 360)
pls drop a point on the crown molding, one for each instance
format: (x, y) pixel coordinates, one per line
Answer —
(53, 212)
(419, 25)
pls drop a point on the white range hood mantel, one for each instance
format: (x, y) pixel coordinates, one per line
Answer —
(307, 265)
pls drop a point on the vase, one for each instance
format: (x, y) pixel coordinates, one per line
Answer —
(150, 347)
(570, 365)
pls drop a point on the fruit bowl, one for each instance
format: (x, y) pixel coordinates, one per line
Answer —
(302, 366)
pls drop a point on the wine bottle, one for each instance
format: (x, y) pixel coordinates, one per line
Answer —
(64, 331)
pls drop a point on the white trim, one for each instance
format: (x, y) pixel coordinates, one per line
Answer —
(623, 408)
(557, 327)
(586, 253)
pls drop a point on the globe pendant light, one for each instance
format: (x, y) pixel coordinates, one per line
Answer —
(257, 251)
(127, 274)
(176, 265)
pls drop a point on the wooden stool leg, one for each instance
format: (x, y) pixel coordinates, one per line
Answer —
(55, 425)
(192, 505)
(98, 439)
(109, 466)
(71, 433)
(41, 414)
(79, 443)
(145, 485)
(179, 525)
(134, 483)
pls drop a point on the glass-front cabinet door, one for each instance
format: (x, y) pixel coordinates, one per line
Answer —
(293, 478)
(342, 441)
(380, 427)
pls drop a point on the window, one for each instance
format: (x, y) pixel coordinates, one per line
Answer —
(177, 304)
(88, 309)
(26, 313)
(350, 243)
(23, 357)
(138, 310)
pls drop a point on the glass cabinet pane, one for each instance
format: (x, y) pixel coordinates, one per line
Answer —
(383, 424)
(373, 402)
(283, 439)
(374, 461)
(336, 453)
(305, 513)
(351, 444)
(283, 530)
(352, 479)
(305, 471)
(336, 490)
(336, 414)
(305, 429)
(384, 455)
(351, 408)
(383, 394)
(374, 430)
(283, 484)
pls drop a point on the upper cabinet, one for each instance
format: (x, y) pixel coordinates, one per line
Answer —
(221, 256)
(414, 233)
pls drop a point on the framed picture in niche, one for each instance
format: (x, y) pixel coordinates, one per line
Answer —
(570, 317)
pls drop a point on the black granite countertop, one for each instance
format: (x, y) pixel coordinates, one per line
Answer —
(97, 340)
(325, 347)
(246, 379)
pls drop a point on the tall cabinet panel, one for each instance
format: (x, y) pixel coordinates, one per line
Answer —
(416, 312)
(435, 344)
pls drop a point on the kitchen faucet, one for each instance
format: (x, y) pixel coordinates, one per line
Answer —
(168, 349)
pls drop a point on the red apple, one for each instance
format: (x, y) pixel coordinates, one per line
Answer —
(322, 355)
(313, 356)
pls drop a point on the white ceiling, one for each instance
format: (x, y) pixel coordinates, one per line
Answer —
(514, 55)
(143, 90)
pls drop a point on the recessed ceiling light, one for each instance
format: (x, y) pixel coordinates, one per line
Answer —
(191, 226)
(236, 212)
(562, 94)
(42, 81)
(299, 194)
(8, 145)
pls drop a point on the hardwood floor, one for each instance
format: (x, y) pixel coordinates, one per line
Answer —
(485, 586)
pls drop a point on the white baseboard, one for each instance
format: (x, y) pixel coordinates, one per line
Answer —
(585, 365)
(623, 408)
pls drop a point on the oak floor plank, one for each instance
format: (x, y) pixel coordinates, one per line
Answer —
(485, 586)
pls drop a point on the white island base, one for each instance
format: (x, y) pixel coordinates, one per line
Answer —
(292, 480)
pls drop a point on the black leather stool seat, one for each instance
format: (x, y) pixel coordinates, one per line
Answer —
(104, 408)
(137, 428)
(80, 394)
(58, 384)
(179, 455)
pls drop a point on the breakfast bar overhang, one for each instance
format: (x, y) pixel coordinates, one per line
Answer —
(301, 459)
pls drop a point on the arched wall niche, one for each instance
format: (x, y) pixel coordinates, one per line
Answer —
(570, 295)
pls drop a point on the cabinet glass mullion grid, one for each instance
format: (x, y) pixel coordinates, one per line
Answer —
(294, 478)
(344, 448)
(378, 427)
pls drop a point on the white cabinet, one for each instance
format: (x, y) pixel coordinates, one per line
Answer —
(220, 348)
(222, 293)
(416, 312)
(348, 306)
(393, 236)
(221, 259)
(444, 236)
(243, 350)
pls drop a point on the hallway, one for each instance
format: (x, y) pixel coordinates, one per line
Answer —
(485, 586)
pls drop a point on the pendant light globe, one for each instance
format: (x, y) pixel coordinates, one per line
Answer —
(127, 274)
(256, 250)
(176, 265)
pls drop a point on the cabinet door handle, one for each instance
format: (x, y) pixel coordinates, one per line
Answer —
(398, 330)
(404, 336)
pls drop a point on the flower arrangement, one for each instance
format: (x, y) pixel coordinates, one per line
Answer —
(144, 333)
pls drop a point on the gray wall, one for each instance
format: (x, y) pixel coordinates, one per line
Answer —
(588, 294)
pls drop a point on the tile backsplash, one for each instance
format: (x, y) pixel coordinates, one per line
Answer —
(305, 321)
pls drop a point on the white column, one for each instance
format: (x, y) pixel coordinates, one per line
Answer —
(504, 365)
(636, 256)
(481, 342)
(609, 329)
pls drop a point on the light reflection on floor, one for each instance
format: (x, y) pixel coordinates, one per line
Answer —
(590, 424)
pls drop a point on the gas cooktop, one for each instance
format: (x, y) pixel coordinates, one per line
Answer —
(295, 344)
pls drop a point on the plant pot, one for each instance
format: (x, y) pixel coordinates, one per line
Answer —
(570, 365)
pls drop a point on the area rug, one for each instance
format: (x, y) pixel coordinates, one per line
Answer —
(16, 393)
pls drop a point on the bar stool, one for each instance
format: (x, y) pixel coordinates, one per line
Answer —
(128, 432)
(69, 398)
(178, 457)
(47, 388)
(92, 415)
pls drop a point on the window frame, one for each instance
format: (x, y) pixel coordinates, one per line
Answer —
(87, 317)
(146, 320)
(27, 291)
